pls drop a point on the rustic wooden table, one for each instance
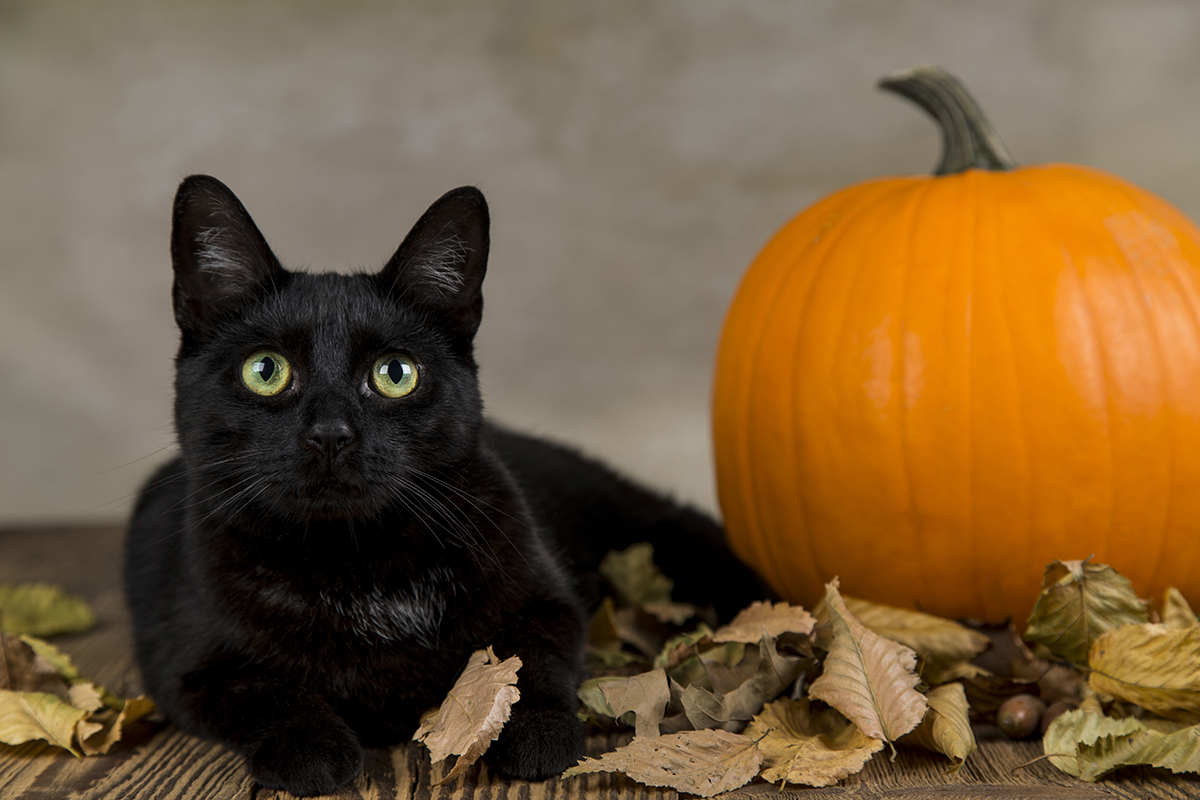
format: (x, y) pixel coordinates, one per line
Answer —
(162, 762)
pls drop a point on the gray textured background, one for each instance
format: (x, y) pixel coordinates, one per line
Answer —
(636, 156)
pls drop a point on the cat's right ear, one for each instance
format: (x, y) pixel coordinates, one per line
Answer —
(219, 256)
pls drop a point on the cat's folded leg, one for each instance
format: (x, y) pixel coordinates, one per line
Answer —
(293, 739)
(543, 736)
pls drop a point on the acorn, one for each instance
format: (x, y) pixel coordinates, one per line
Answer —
(1020, 715)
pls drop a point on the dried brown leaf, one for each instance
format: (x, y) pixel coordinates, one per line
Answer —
(946, 728)
(732, 710)
(807, 748)
(703, 763)
(646, 695)
(52, 702)
(473, 713)
(1177, 612)
(23, 670)
(934, 639)
(765, 619)
(1079, 601)
(671, 613)
(868, 678)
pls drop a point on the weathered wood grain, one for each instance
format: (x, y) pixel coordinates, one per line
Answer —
(160, 762)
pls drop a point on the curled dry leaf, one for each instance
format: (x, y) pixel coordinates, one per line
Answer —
(1082, 727)
(473, 713)
(1089, 745)
(1080, 601)
(23, 670)
(26, 716)
(946, 728)
(765, 619)
(47, 699)
(703, 763)
(807, 748)
(646, 695)
(1177, 612)
(773, 672)
(1153, 666)
(41, 609)
(110, 725)
(868, 678)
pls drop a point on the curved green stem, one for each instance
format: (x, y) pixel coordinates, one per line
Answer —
(968, 140)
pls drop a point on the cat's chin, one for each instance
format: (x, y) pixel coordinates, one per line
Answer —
(333, 503)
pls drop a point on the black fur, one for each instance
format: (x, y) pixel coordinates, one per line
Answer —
(315, 568)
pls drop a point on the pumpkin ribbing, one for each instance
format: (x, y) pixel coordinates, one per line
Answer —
(934, 386)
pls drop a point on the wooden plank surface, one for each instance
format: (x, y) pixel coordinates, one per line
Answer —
(160, 762)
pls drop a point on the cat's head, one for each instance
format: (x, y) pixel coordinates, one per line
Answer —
(323, 396)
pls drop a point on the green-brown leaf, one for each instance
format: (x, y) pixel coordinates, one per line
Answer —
(42, 609)
(1079, 601)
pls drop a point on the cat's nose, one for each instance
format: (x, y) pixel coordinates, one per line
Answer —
(330, 437)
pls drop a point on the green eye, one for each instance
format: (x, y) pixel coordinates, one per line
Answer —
(266, 373)
(394, 375)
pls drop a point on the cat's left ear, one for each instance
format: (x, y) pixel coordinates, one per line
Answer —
(441, 263)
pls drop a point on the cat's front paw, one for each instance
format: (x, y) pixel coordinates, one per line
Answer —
(308, 759)
(537, 745)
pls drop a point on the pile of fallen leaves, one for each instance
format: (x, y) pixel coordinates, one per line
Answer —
(42, 695)
(808, 698)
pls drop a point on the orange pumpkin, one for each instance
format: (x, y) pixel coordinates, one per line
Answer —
(933, 386)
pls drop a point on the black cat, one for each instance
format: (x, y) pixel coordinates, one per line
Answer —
(342, 528)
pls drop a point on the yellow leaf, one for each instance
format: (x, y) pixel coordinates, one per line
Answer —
(763, 618)
(933, 638)
(473, 713)
(946, 728)
(1153, 666)
(1080, 601)
(111, 725)
(26, 716)
(1177, 613)
(41, 609)
(806, 748)
(868, 678)
(703, 763)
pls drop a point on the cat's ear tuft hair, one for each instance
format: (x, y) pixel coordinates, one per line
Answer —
(219, 256)
(441, 263)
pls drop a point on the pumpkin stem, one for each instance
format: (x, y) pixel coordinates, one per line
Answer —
(968, 139)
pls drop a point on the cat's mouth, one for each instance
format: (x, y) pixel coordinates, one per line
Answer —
(332, 499)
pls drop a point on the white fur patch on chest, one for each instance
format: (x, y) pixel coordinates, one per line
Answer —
(414, 612)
